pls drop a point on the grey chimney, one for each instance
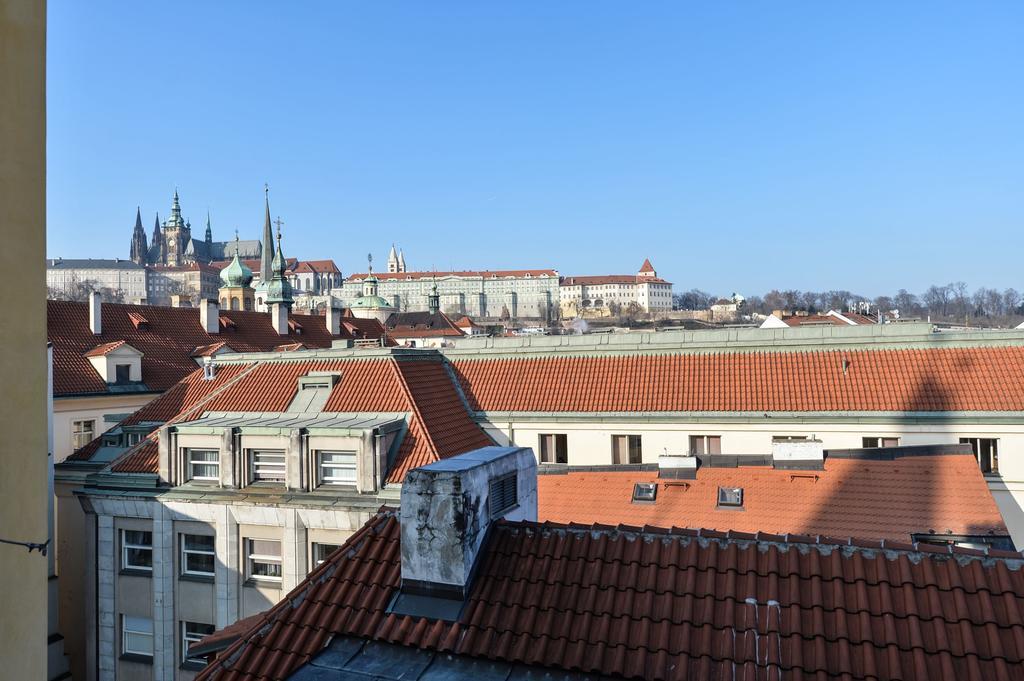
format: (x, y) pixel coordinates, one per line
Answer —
(95, 313)
(446, 510)
(333, 320)
(279, 318)
(209, 316)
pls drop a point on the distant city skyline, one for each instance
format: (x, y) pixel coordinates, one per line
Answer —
(801, 146)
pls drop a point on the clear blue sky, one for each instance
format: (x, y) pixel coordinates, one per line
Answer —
(741, 146)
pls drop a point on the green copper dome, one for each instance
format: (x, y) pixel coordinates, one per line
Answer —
(280, 289)
(236, 275)
(370, 302)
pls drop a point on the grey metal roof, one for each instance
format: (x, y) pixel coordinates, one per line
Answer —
(92, 264)
(279, 423)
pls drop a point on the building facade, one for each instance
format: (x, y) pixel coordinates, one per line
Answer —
(614, 294)
(120, 280)
(192, 282)
(499, 294)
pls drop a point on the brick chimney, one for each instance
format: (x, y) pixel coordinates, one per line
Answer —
(95, 313)
(209, 316)
(333, 320)
(279, 318)
(446, 509)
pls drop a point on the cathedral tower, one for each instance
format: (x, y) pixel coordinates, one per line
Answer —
(140, 249)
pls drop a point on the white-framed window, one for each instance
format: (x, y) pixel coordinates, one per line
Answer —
(136, 550)
(337, 468)
(136, 636)
(82, 432)
(554, 448)
(986, 451)
(873, 442)
(134, 438)
(321, 551)
(626, 449)
(263, 559)
(198, 556)
(203, 464)
(192, 632)
(266, 465)
(705, 444)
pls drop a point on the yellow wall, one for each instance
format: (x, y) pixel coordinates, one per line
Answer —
(23, 484)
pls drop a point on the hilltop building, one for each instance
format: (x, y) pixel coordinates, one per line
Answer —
(172, 242)
(613, 294)
(118, 277)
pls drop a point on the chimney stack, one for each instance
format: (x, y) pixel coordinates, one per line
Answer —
(95, 313)
(209, 316)
(333, 320)
(279, 318)
(446, 509)
(799, 455)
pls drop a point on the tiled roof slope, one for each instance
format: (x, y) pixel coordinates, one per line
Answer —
(947, 379)
(850, 498)
(668, 604)
(166, 342)
(439, 424)
(421, 324)
(599, 279)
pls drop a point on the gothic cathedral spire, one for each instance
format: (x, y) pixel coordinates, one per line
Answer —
(140, 249)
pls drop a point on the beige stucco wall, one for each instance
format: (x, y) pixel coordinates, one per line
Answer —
(23, 419)
(69, 409)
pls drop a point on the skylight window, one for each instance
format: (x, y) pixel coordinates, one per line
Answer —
(645, 492)
(731, 497)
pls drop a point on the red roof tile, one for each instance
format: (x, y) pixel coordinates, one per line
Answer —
(647, 266)
(439, 424)
(167, 341)
(599, 279)
(850, 498)
(667, 604)
(104, 349)
(948, 379)
(421, 325)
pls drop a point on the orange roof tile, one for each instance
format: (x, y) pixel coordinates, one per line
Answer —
(647, 266)
(167, 341)
(104, 349)
(850, 498)
(599, 279)
(948, 379)
(650, 603)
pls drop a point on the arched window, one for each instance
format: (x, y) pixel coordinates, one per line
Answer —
(224, 302)
(234, 303)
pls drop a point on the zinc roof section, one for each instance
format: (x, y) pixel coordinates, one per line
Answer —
(850, 497)
(897, 380)
(654, 603)
(167, 341)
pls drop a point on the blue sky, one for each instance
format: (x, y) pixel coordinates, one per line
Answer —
(741, 146)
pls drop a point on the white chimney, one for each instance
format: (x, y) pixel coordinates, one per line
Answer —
(333, 320)
(279, 318)
(209, 316)
(677, 466)
(95, 313)
(798, 455)
(446, 509)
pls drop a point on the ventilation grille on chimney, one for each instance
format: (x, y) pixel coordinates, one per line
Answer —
(502, 495)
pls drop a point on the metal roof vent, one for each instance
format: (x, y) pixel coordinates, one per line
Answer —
(730, 497)
(645, 492)
(502, 495)
(209, 370)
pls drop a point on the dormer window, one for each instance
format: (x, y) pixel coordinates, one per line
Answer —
(266, 465)
(203, 464)
(122, 373)
(116, 363)
(337, 468)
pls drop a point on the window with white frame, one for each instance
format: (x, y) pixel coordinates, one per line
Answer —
(136, 636)
(266, 465)
(263, 559)
(82, 432)
(875, 442)
(193, 632)
(705, 444)
(986, 451)
(554, 448)
(321, 551)
(337, 468)
(136, 550)
(203, 464)
(198, 556)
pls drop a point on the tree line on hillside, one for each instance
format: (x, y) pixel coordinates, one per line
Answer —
(953, 301)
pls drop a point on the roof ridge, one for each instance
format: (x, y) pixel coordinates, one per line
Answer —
(988, 556)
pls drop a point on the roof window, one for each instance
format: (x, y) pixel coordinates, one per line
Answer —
(645, 492)
(731, 497)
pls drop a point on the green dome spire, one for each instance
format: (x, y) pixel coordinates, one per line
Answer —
(236, 275)
(280, 289)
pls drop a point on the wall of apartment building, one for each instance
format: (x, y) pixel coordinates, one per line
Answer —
(67, 410)
(589, 441)
(169, 597)
(23, 418)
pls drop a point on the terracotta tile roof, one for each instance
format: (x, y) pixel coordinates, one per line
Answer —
(850, 498)
(486, 274)
(318, 267)
(647, 266)
(814, 319)
(104, 349)
(599, 279)
(167, 341)
(439, 424)
(289, 347)
(421, 325)
(651, 603)
(211, 349)
(948, 379)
